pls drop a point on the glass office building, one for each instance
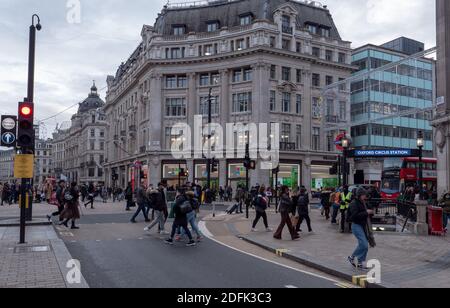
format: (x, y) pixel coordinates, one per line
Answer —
(400, 88)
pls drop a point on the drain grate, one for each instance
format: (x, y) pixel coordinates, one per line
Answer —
(30, 249)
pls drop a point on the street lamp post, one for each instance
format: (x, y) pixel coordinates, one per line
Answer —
(420, 145)
(345, 146)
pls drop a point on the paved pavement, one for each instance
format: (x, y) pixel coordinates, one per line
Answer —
(407, 260)
(41, 263)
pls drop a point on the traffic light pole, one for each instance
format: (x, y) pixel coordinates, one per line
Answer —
(30, 99)
(247, 188)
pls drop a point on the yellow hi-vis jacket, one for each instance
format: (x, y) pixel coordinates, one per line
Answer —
(346, 200)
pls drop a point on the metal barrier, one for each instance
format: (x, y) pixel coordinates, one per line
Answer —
(387, 212)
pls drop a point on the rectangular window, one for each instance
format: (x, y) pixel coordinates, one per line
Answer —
(273, 100)
(286, 102)
(242, 102)
(298, 137)
(273, 72)
(240, 44)
(91, 172)
(92, 133)
(213, 26)
(171, 82)
(329, 80)
(182, 82)
(298, 47)
(285, 133)
(329, 55)
(248, 74)
(315, 80)
(298, 104)
(215, 107)
(286, 73)
(272, 42)
(102, 146)
(204, 80)
(175, 107)
(316, 139)
(179, 30)
(342, 57)
(342, 85)
(343, 111)
(325, 32)
(316, 52)
(237, 76)
(299, 76)
(92, 145)
(330, 107)
(177, 53)
(215, 79)
(246, 20)
(102, 134)
(312, 28)
(209, 50)
(286, 45)
(315, 112)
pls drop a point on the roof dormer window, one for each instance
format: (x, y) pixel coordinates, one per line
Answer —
(246, 19)
(212, 26)
(179, 29)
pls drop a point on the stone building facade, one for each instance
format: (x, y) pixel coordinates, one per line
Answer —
(7, 165)
(43, 161)
(79, 150)
(264, 61)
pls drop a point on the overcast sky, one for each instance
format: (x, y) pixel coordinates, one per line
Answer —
(71, 55)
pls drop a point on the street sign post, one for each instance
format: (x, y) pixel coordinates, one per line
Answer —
(8, 131)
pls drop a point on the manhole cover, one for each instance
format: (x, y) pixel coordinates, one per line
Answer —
(30, 249)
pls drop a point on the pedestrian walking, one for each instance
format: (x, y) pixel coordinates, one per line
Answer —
(335, 200)
(192, 216)
(60, 191)
(358, 215)
(142, 201)
(90, 196)
(325, 201)
(284, 209)
(129, 197)
(71, 211)
(346, 198)
(157, 202)
(261, 203)
(303, 210)
(182, 207)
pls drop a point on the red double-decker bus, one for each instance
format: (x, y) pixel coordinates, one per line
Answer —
(395, 179)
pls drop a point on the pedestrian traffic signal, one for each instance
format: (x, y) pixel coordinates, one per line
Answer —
(25, 131)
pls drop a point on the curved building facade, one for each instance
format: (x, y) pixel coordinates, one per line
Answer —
(263, 61)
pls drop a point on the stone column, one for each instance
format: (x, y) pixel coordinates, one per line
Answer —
(154, 168)
(225, 99)
(190, 168)
(307, 111)
(192, 103)
(442, 123)
(223, 173)
(306, 179)
(421, 227)
(156, 108)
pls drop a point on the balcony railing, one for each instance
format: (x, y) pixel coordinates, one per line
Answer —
(331, 119)
(287, 146)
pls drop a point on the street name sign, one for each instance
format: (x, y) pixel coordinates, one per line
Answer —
(23, 166)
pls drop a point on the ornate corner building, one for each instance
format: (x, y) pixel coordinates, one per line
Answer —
(265, 61)
(78, 150)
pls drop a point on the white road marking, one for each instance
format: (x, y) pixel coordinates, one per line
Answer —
(291, 287)
(209, 235)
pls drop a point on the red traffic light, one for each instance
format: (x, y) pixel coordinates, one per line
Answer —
(26, 110)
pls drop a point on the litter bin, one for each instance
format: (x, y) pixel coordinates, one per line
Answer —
(435, 219)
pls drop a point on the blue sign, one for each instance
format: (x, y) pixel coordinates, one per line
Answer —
(384, 153)
(8, 138)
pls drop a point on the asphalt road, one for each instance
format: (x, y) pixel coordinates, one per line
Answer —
(138, 260)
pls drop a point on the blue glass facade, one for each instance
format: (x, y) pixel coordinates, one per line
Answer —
(404, 87)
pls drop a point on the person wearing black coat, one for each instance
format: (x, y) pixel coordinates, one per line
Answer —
(303, 210)
(129, 197)
(183, 206)
(284, 209)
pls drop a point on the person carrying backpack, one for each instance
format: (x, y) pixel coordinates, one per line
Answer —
(261, 203)
(303, 210)
(182, 207)
(284, 209)
(192, 216)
